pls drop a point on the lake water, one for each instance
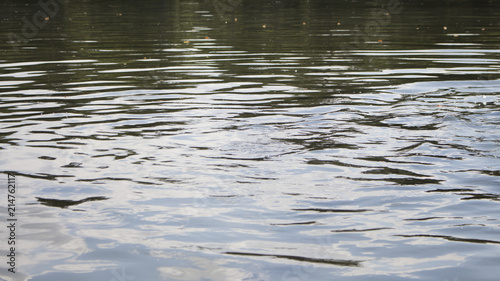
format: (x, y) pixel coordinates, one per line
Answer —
(251, 140)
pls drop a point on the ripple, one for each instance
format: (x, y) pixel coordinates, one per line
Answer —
(302, 259)
(454, 239)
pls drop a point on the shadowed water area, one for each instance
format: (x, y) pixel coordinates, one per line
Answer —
(252, 140)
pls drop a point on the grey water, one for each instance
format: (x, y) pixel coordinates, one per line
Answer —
(251, 140)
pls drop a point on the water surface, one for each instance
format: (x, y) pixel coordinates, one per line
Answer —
(297, 140)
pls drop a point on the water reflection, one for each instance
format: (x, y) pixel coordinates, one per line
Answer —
(66, 203)
(251, 145)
